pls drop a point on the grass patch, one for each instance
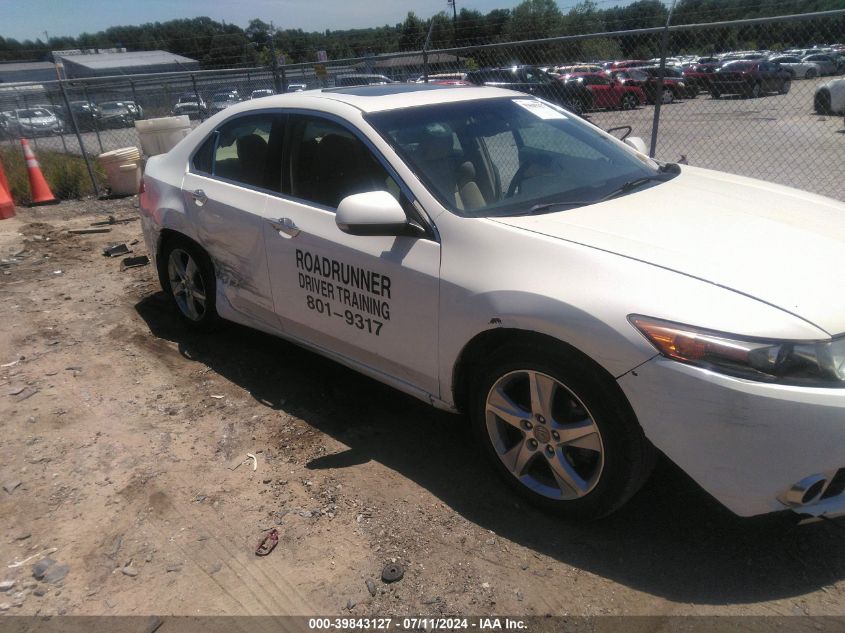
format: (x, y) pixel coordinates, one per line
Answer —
(65, 173)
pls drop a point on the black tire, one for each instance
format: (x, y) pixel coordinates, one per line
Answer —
(715, 94)
(754, 90)
(629, 102)
(202, 278)
(668, 97)
(821, 102)
(785, 86)
(811, 73)
(627, 456)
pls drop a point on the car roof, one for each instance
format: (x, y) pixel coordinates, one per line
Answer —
(382, 98)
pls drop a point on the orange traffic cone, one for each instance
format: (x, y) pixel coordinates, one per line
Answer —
(41, 193)
(7, 205)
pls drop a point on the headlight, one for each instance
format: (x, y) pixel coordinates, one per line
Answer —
(803, 363)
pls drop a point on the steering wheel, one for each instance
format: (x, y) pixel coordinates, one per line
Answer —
(519, 176)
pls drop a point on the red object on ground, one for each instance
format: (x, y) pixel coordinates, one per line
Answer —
(41, 193)
(268, 543)
(7, 205)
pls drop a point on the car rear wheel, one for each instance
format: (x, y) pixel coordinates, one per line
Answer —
(668, 97)
(754, 90)
(785, 86)
(188, 279)
(629, 102)
(811, 73)
(715, 93)
(821, 102)
(558, 431)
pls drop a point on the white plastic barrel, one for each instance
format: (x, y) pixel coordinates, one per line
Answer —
(123, 168)
(161, 135)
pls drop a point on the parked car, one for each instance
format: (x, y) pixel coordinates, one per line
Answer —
(674, 85)
(577, 68)
(85, 113)
(190, 104)
(829, 97)
(798, 68)
(361, 80)
(191, 109)
(629, 63)
(828, 65)
(135, 109)
(609, 93)
(700, 76)
(297, 87)
(28, 122)
(263, 92)
(222, 100)
(114, 114)
(529, 79)
(488, 253)
(750, 78)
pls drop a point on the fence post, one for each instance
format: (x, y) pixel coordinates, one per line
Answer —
(279, 83)
(425, 52)
(134, 95)
(79, 140)
(34, 136)
(93, 118)
(658, 93)
(197, 95)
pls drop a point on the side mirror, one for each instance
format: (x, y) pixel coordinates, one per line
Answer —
(637, 143)
(374, 213)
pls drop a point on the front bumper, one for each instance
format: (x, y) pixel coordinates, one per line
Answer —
(746, 443)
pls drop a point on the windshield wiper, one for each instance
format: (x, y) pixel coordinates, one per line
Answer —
(668, 168)
(631, 185)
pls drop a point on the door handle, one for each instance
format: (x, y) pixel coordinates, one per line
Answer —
(199, 197)
(285, 225)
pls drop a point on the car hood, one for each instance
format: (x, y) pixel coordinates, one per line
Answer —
(776, 244)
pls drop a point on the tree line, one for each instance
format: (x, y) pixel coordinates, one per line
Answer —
(220, 45)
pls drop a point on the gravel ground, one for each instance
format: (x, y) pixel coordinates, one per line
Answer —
(121, 442)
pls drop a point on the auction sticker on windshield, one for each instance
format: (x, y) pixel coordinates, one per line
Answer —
(539, 109)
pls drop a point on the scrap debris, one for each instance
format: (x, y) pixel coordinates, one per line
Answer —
(26, 560)
(249, 456)
(87, 231)
(113, 220)
(134, 262)
(116, 249)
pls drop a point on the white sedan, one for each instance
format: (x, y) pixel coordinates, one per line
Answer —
(798, 68)
(493, 254)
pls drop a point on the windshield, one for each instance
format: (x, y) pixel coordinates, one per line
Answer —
(32, 114)
(739, 66)
(507, 156)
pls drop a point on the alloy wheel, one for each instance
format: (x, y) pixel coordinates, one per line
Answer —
(186, 284)
(544, 435)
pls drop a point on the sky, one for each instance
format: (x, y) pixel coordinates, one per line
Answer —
(28, 19)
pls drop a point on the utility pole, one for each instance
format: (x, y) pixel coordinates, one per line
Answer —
(454, 4)
(278, 84)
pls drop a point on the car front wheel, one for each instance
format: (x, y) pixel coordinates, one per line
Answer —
(559, 432)
(821, 102)
(188, 278)
(785, 86)
(629, 102)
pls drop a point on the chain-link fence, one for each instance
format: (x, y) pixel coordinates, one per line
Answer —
(761, 97)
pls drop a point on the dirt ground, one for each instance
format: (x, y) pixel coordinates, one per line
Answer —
(119, 432)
